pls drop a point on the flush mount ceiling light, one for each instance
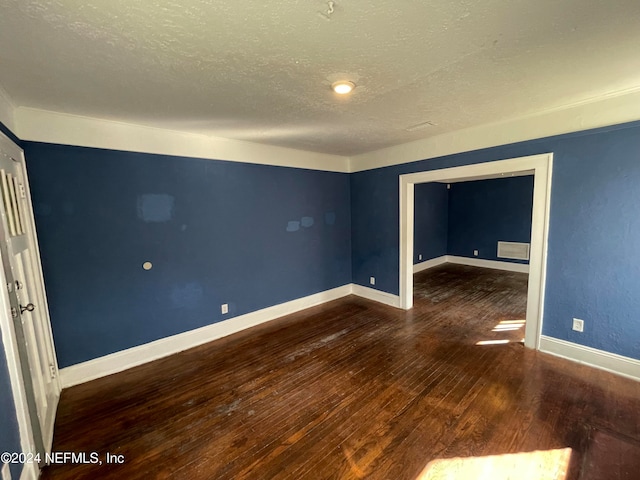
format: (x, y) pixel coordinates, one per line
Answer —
(343, 87)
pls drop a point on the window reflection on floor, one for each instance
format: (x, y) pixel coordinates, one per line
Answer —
(504, 326)
(537, 465)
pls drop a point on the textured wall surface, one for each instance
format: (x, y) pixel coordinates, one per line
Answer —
(251, 236)
(431, 214)
(9, 433)
(484, 212)
(593, 269)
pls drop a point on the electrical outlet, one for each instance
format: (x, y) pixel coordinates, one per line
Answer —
(578, 325)
(372, 280)
(475, 253)
(224, 308)
(420, 257)
(5, 474)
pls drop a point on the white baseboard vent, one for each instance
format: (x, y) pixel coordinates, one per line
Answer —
(618, 364)
(513, 250)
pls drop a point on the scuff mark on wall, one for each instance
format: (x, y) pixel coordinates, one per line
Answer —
(293, 226)
(155, 208)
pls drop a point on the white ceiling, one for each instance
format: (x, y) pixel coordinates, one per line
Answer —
(261, 71)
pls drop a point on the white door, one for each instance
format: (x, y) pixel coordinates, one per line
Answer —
(27, 300)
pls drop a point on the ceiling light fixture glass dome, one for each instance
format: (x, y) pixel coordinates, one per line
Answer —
(343, 87)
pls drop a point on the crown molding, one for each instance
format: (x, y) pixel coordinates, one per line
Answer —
(7, 110)
(62, 128)
(612, 109)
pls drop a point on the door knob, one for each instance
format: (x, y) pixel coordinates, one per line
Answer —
(29, 307)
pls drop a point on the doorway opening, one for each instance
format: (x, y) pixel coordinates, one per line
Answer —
(540, 166)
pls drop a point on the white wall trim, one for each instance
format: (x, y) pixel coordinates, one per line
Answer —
(625, 366)
(131, 357)
(613, 109)
(6, 111)
(433, 262)
(30, 471)
(9, 339)
(376, 295)
(54, 127)
(541, 166)
(498, 265)
(119, 361)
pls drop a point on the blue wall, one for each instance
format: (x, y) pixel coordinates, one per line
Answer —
(484, 212)
(9, 432)
(471, 216)
(96, 227)
(216, 232)
(593, 269)
(430, 221)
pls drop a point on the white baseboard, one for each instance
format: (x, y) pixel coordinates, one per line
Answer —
(30, 471)
(376, 295)
(131, 357)
(433, 262)
(625, 366)
(479, 262)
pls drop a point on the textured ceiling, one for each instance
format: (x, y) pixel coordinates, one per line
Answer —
(261, 71)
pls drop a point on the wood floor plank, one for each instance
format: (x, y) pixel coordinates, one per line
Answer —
(354, 389)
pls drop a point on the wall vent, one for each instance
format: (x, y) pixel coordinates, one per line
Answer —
(513, 250)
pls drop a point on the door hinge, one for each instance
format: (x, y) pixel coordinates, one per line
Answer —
(52, 370)
(23, 193)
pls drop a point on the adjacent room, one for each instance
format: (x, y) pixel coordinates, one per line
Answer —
(323, 239)
(468, 234)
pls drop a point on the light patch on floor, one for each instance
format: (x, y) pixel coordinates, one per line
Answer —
(509, 325)
(537, 465)
(492, 342)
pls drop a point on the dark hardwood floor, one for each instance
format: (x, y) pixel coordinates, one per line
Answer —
(353, 389)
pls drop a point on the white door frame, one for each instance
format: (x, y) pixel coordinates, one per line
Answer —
(14, 365)
(15, 362)
(541, 168)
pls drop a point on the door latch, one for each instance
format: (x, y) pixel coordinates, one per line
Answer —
(29, 307)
